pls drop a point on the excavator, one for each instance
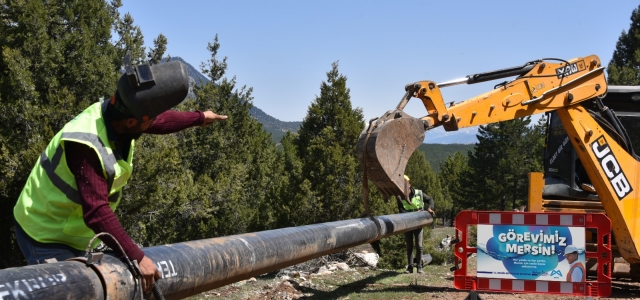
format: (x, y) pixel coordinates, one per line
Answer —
(590, 163)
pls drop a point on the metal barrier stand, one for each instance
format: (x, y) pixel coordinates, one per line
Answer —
(600, 287)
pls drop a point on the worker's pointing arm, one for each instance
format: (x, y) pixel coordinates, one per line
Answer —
(172, 121)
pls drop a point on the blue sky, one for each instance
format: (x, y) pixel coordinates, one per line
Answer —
(283, 49)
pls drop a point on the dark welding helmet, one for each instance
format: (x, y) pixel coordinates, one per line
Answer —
(146, 91)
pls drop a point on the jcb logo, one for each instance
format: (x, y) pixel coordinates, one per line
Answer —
(611, 167)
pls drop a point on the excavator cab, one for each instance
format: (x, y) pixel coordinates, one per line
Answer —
(564, 174)
(565, 184)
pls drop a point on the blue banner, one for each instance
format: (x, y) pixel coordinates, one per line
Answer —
(551, 253)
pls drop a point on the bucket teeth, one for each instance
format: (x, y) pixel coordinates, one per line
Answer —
(385, 150)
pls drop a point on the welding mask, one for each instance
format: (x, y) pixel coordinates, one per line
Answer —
(146, 91)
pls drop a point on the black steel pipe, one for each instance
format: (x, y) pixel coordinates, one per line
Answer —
(193, 267)
(61, 280)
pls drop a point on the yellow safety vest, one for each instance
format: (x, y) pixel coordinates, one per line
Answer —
(416, 202)
(49, 208)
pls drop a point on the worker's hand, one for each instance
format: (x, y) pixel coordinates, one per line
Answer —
(433, 213)
(149, 274)
(211, 117)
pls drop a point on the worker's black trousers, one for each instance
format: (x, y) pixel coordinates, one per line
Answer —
(410, 237)
(36, 253)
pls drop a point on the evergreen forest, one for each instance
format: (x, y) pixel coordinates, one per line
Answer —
(59, 57)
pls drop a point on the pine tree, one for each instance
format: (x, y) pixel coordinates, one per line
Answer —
(326, 145)
(158, 192)
(292, 206)
(498, 167)
(55, 59)
(451, 172)
(233, 163)
(624, 67)
(130, 38)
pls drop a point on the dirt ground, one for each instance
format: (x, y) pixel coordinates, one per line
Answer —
(378, 286)
(363, 282)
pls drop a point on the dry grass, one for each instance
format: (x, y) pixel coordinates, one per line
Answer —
(365, 283)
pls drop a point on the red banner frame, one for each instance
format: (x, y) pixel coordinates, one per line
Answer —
(598, 288)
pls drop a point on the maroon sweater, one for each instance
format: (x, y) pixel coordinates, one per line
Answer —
(92, 186)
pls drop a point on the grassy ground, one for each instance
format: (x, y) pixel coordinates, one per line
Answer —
(366, 283)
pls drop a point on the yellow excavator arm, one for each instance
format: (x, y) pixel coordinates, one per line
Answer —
(540, 86)
(544, 87)
(387, 143)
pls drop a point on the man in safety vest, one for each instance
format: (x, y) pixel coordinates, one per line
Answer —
(576, 269)
(76, 184)
(414, 203)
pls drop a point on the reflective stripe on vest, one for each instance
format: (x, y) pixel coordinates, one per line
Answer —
(50, 165)
(109, 160)
(49, 208)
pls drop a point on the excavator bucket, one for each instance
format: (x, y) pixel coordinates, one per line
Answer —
(384, 148)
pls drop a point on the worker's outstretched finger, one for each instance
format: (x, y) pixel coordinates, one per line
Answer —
(211, 117)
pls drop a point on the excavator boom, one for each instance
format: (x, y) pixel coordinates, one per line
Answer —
(386, 145)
